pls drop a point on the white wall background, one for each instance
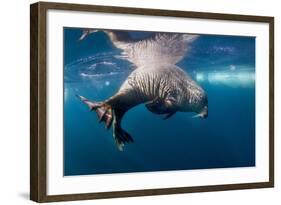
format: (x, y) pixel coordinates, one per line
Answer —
(14, 103)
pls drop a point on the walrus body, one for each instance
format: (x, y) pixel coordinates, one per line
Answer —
(156, 81)
(164, 89)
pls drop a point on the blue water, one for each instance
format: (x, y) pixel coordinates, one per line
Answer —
(223, 65)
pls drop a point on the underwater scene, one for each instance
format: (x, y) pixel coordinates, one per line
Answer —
(137, 101)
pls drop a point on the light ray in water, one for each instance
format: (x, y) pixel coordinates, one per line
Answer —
(242, 78)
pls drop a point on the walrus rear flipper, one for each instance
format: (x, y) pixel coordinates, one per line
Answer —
(120, 135)
(110, 116)
(103, 110)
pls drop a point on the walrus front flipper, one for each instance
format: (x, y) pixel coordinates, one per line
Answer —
(169, 115)
(160, 106)
(119, 134)
(156, 106)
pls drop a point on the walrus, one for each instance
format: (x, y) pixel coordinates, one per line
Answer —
(161, 85)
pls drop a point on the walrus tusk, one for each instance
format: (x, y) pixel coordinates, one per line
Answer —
(198, 115)
(202, 114)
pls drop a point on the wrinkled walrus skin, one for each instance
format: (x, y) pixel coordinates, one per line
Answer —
(165, 89)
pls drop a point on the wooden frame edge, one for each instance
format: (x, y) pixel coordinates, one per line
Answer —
(34, 191)
(154, 12)
(271, 100)
(38, 97)
(154, 192)
(37, 102)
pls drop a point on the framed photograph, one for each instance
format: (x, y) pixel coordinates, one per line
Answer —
(134, 102)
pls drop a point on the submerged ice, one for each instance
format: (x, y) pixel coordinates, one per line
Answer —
(242, 78)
